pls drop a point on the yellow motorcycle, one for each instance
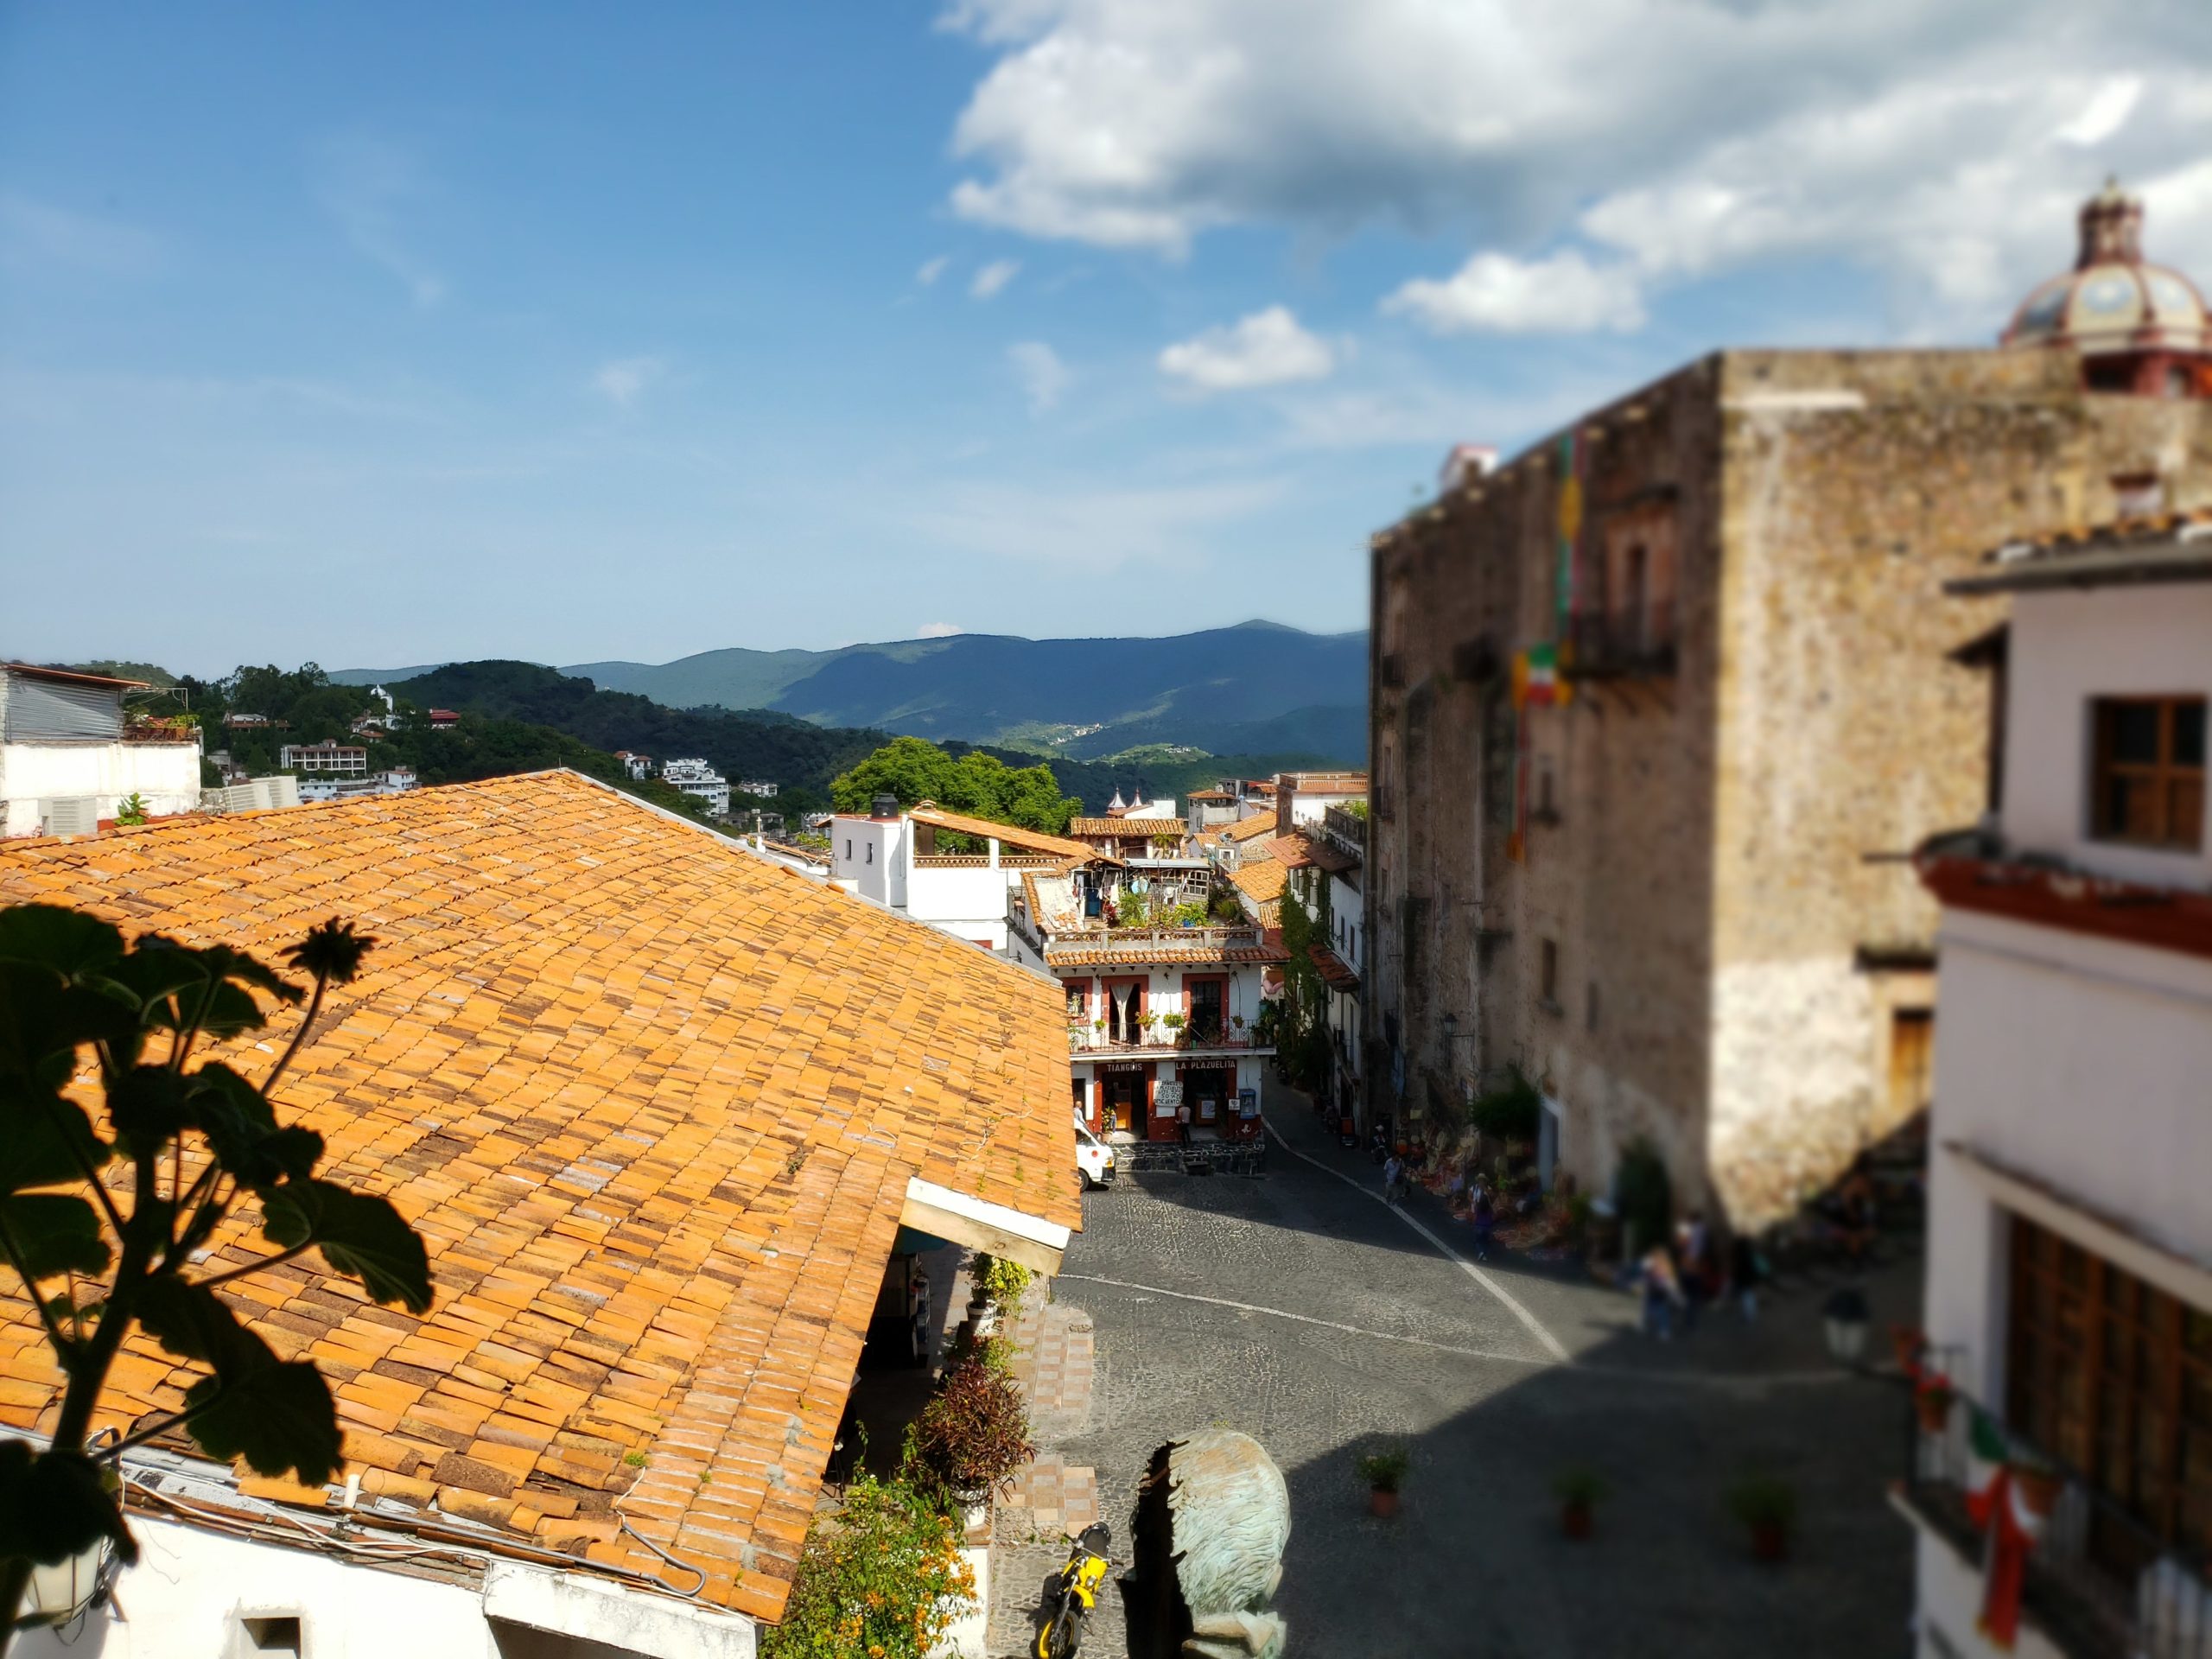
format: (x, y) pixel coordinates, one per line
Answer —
(1077, 1590)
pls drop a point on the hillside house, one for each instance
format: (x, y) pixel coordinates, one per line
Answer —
(664, 1113)
(695, 778)
(339, 760)
(894, 858)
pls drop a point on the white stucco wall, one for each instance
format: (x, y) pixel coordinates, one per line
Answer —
(2082, 1063)
(865, 858)
(2066, 648)
(167, 775)
(967, 904)
(192, 1588)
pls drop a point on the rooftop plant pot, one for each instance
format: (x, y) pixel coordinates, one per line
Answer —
(1577, 1520)
(1770, 1541)
(1380, 1502)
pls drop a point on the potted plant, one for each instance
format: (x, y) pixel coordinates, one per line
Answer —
(1909, 1344)
(1767, 1505)
(1579, 1490)
(970, 1437)
(2040, 1486)
(1932, 1394)
(1384, 1472)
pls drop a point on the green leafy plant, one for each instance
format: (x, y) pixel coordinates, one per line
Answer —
(1511, 1112)
(973, 1433)
(1134, 909)
(1385, 1471)
(130, 810)
(1763, 1503)
(1005, 1282)
(1643, 1194)
(882, 1575)
(1190, 913)
(1578, 1487)
(101, 1254)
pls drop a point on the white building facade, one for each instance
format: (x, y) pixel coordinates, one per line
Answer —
(2069, 1249)
(695, 778)
(70, 756)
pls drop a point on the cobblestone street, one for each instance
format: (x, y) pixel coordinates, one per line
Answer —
(1298, 1308)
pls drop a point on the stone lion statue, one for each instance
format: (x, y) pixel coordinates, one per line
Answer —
(1212, 1519)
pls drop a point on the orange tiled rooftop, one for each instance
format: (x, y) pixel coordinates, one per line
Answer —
(654, 1104)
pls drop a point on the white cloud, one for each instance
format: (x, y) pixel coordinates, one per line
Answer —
(367, 185)
(938, 630)
(993, 278)
(932, 269)
(1043, 376)
(1942, 142)
(1494, 293)
(624, 380)
(1268, 348)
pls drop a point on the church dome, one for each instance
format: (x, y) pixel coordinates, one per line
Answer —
(2113, 301)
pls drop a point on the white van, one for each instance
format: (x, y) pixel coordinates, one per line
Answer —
(1094, 1159)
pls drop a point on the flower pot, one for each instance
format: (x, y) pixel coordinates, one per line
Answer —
(1908, 1343)
(2039, 1489)
(1380, 1502)
(1576, 1520)
(1770, 1541)
(1934, 1406)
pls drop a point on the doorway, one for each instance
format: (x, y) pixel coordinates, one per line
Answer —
(1126, 1096)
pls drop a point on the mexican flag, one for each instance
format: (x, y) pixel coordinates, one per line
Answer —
(2015, 1524)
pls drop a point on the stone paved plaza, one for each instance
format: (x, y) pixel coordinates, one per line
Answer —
(1298, 1308)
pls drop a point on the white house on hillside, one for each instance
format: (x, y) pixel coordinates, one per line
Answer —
(2069, 1245)
(70, 756)
(890, 858)
(700, 781)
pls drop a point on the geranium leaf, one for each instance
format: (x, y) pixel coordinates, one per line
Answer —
(361, 1237)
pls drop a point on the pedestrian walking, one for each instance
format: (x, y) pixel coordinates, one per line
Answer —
(1694, 1255)
(1394, 1174)
(1182, 1122)
(1485, 1223)
(1662, 1293)
(1744, 1272)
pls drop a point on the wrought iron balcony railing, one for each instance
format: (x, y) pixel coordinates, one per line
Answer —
(2099, 1582)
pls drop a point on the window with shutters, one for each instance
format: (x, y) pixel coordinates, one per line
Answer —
(2113, 1378)
(2147, 787)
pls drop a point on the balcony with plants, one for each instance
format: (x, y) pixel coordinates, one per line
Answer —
(2095, 1575)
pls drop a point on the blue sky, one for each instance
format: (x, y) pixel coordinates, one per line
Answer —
(381, 334)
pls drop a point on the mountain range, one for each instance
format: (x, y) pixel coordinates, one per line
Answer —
(1257, 688)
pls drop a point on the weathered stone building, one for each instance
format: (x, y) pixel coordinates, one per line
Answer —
(1658, 709)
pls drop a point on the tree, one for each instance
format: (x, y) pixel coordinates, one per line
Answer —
(101, 1256)
(914, 769)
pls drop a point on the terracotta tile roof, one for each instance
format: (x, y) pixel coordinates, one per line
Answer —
(1313, 849)
(1129, 828)
(1078, 957)
(1260, 824)
(2166, 546)
(653, 1102)
(1012, 836)
(1293, 852)
(1263, 879)
(1335, 973)
(1211, 795)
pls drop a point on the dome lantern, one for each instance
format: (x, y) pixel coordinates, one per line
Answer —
(2138, 327)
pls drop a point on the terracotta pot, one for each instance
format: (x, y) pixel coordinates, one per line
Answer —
(1382, 1503)
(1576, 1520)
(1934, 1406)
(2039, 1489)
(1770, 1541)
